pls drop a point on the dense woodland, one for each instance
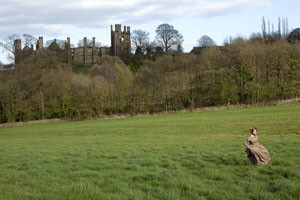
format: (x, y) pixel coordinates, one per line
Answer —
(243, 71)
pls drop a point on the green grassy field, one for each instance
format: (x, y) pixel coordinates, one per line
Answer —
(178, 156)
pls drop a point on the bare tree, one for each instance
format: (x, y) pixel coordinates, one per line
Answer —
(205, 41)
(140, 39)
(167, 37)
(28, 40)
(263, 29)
(272, 35)
(269, 27)
(285, 27)
(8, 45)
(279, 28)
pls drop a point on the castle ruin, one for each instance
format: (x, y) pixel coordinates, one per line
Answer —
(85, 54)
(120, 41)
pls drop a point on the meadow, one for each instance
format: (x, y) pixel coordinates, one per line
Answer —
(197, 155)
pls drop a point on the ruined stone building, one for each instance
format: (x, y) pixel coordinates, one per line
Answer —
(120, 41)
(87, 54)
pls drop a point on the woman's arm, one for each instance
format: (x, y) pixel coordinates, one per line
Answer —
(246, 143)
(250, 140)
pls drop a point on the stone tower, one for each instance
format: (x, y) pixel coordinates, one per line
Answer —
(18, 50)
(40, 44)
(120, 41)
(68, 50)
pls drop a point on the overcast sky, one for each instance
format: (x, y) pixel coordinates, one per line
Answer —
(192, 18)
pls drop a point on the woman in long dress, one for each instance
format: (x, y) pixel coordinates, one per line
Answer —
(257, 153)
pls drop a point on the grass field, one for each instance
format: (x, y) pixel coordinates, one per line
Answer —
(179, 156)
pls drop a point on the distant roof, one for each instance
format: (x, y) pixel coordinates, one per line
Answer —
(197, 50)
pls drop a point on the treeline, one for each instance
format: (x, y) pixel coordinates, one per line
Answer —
(243, 72)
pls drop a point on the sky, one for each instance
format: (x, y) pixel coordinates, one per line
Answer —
(92, 18)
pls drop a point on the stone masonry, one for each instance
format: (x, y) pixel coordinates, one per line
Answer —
(88, 53)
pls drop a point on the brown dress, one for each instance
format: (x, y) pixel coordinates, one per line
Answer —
(257, 153)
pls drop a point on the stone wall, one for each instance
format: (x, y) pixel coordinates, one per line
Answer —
(87, 54)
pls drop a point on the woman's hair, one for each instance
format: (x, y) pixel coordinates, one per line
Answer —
(252, 129)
